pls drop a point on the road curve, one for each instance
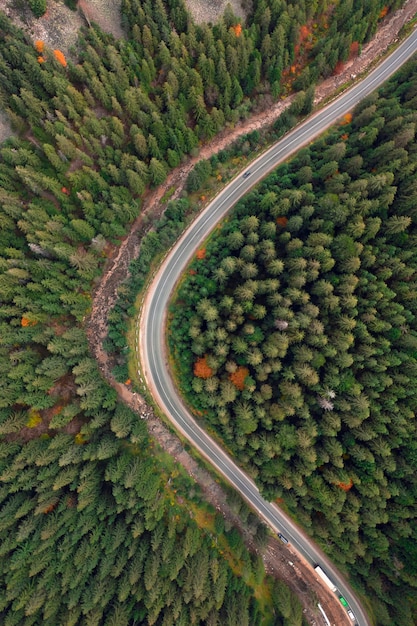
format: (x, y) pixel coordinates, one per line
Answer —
(151, 325)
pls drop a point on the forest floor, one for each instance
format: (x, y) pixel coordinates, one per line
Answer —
(5, 127)
(60, 32)
(59, 26)
(211, 10)
(278, 558)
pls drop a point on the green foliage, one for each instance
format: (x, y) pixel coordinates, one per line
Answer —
(86, 531)
(100, 534)
(198, 175)
(304, 308)
(38, 7)
(88, 523)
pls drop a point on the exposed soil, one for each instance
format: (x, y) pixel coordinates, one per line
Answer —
(212, 10)
(59, 28)
(5, 128)
(279, 559)
(117, 270)
(106, 13)
(60, 32)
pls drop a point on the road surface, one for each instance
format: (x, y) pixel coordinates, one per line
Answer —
(151, 327)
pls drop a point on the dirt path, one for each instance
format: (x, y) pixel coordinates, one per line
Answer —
(105, 295)
(278, 559)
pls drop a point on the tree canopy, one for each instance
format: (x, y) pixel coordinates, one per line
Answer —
(303, 311)
(90, 531)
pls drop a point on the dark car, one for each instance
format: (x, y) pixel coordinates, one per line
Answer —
(283, 539)
(246, 174)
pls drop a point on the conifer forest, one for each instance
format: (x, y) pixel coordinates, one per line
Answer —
(298, 341)
(297, 344)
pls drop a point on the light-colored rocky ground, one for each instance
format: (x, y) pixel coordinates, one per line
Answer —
(59, 28)
(212, 10)
(5, 128)
(276, 556)
(106, 13)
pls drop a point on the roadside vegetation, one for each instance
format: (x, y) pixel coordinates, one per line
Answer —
(294, 336)
(89, 530)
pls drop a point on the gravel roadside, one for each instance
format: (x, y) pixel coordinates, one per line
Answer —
(277, 559)
(58, 28)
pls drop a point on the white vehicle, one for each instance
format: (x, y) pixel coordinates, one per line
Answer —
(325, 578)
(351, 615)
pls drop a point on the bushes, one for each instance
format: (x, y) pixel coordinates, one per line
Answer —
(38, 7)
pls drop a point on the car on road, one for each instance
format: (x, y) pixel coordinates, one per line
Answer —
(351, 615)
(283, 539)
(246, 174)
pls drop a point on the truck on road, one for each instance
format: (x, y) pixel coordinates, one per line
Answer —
(325, 578)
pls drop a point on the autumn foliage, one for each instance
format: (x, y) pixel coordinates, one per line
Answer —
(347, 119)
(34, 419)
(304, 33)
(50, 508)
(339, 68)
(345, 486)
(39, 46)
(60, 58)
(383, 12)
(201, 254)
(201, 369)
(25, 321)
(282, 221)
(354, 49)
(238, 377)
(41, 59)
(237, 29)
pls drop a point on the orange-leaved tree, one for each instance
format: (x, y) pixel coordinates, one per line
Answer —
(60, 58)
(237, 29)
(202, 369)
(239, 376)
(346, 486)
(25, 321)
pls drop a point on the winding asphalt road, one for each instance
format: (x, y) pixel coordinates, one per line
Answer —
(151, 329)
